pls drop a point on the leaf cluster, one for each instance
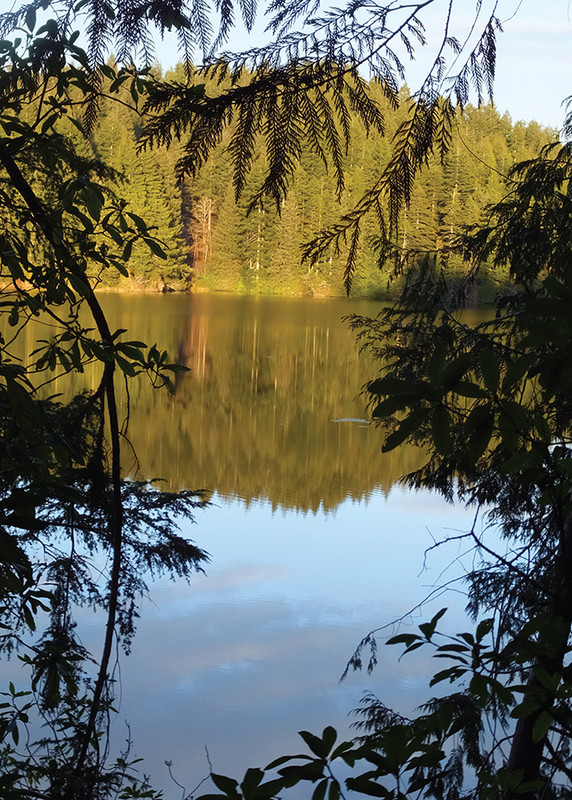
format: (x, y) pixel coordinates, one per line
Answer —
(73, 531)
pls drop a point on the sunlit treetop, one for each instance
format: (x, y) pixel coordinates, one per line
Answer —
(302, 87)
(379, 38)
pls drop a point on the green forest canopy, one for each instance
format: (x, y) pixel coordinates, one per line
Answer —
(490, 403)
(213, 242)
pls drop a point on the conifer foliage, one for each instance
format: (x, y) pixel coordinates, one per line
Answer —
(490, 405)
(301, 87)
(64, 502)
(210, 238)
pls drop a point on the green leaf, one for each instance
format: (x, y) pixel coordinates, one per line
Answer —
(30, 18)
(93, 199)
(518, 414)
(284, 759)
(542, 726)
(428, 628)
(479, 429)
(155, 248)
(212, 796)
(450, 674)
(334, 790)
(390, 406)
(108, 71)
(126, 366)
(490, 369)
(84, 219)
(320, 790)
(366, 786)
(455, 371)
(314, 743)
(484, 628)
(453, 648)
(251, 781)
(140, 223)
(468, 389)
(320, 746)
(525, 709)
(404, 638)
(343, 751)
(120, 267)
(311, 771)
(131, 351)
(407, 427)
(550, 681)
(517, 370)
(441, 428)
(227, 785)
(479, 686)
(127, 250)
(437, 363)
(520, 461)
(78, 283)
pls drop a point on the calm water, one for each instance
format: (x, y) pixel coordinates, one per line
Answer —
(312, 543)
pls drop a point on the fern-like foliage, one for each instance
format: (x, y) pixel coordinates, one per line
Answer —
(426, 126)
(280, 107)
(300, 87)
(126, 26)
(127, 29)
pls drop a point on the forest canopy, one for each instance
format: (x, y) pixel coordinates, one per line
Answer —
(213, 242)
(489, 404)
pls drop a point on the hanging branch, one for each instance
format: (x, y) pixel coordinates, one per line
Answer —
(41, 217)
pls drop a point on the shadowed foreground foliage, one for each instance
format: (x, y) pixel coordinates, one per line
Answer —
(73, 531)
(489, 403)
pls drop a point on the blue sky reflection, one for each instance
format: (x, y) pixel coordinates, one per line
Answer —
(252, 652)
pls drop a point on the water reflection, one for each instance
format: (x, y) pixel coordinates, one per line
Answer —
(253, 651)
(270, 408)
(311, 546)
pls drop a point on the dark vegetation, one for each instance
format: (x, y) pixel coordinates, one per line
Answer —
(490, 403)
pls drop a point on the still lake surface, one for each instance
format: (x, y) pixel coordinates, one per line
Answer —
(312, 541)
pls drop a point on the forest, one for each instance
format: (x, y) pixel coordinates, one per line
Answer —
(485, 401)
(214, 243)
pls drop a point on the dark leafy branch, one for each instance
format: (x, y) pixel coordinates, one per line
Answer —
(63, 497)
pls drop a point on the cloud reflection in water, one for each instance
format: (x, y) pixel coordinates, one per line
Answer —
(253, 652)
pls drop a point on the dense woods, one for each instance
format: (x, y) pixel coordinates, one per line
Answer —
(212, 242)
(489, 403)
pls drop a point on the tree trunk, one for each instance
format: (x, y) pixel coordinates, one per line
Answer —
(527, 754)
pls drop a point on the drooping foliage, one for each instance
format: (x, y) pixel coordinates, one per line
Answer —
(490, 406)
(73, 531)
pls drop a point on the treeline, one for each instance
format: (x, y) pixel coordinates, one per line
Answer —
(213, 243)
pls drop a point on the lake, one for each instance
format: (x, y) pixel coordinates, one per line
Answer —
(312, 542)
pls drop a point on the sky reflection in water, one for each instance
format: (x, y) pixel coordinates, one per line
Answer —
(253, 651)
